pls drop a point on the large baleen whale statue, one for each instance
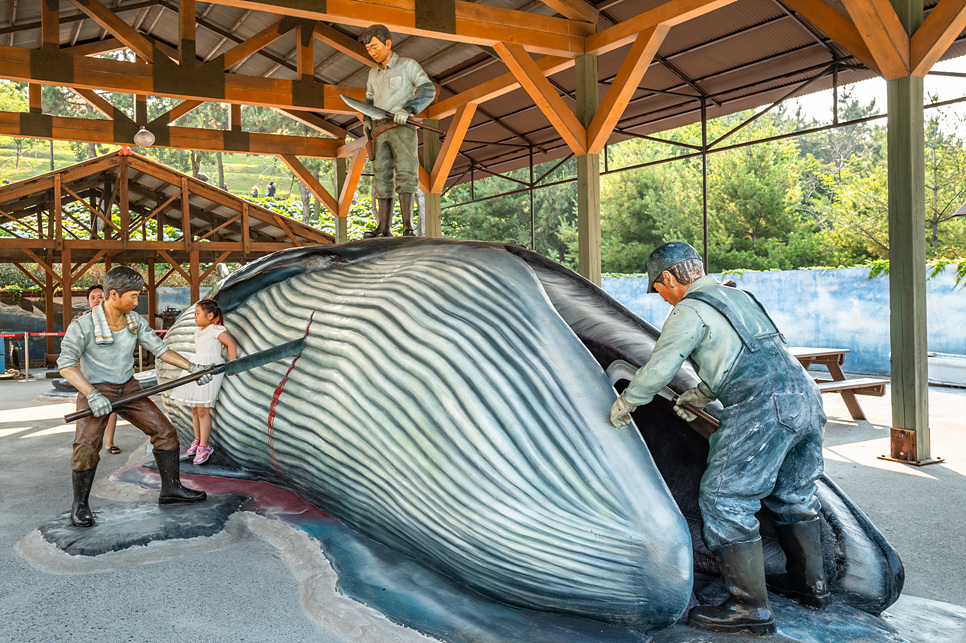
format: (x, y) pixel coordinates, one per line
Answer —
(451, 403)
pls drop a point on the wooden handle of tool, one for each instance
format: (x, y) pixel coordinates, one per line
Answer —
(160, 388)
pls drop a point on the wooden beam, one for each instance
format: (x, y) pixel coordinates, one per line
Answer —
(880, 28)
(622, 89)
(451, 147)
(262, 39)
(549, 65)
(68, 308)
(246, 234)
(280, 222)
(933, 38)
(304, 52)
(43, 264)
(90, 130)
(138, 78)
(316, 122)
(477, 24)
(311, 183)
(837, 27)
(669, 14)
(535, 83)
(50, 22)
(100, 104)
(77, 274)
(343, 43)
(95, 48)
(177, 111)
(185, 214)
(31, 277)
(214, 264)
(195, 280)
(351, 182)
(35, 101)
(109, 21)
(186, 29)
(574, 9)
(175, 265)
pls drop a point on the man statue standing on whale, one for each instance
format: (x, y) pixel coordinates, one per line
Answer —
(767, 450)
(95, 357)
(400, 87)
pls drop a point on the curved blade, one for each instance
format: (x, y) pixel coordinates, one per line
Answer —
(369, 110)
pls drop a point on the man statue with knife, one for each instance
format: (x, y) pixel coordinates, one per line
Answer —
(96, 357)
(767, 449)
(400, 87)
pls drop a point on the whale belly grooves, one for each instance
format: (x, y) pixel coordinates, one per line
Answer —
(442, 407)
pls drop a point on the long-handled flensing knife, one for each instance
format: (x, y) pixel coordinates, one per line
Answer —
(233, 367)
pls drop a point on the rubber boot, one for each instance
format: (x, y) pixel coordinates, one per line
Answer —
(383, 220)
(170, 471)
(80, 511)
(406, 208)
(804, 578)
(746, 609)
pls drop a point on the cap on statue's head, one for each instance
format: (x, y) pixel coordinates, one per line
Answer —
(664, 257)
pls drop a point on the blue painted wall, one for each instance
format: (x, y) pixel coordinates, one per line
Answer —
(833, 308)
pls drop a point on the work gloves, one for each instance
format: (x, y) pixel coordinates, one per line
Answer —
(401, 117)
(204, 379)
(620, 413)
(100, 405)
(695, 398)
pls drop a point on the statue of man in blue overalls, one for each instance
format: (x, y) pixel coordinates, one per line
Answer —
(768, 448)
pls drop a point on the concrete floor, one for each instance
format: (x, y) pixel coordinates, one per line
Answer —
(252, 589)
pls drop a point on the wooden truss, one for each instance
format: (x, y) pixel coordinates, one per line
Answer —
(132, 209)
(871, 32)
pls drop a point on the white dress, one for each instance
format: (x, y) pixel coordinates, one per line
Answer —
(207, 351)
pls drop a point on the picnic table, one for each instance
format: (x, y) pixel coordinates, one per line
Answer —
(833, 359)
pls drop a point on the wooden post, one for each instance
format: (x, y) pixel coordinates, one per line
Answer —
(588, 174)
(123, 203)
(49, 305)
(341, 223)
(195, 276)
(432, 219)
(152, 296)
(68, 285)
(907, 258)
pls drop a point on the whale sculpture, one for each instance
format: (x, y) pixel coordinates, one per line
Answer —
(451, 403)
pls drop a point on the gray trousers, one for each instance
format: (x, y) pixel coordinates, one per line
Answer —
(396, 163)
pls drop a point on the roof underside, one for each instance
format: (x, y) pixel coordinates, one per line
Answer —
(747, 54)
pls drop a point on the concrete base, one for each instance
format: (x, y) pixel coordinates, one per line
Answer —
(122, 525)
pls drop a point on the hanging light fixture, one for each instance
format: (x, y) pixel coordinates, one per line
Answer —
(144, 138)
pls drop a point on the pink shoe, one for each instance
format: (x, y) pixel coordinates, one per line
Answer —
(203, 454)
(193, 449)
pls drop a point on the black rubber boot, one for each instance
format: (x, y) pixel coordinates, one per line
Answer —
(804, 578)
(80, 511)
(406, 208)
(746, 609)
(170, 471)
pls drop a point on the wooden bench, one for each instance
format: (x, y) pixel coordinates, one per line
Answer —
(832, 359)
(859, 386)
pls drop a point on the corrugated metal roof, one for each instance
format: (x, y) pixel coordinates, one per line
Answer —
(746, 54)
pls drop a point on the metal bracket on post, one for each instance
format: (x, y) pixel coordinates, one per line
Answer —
(903, 449)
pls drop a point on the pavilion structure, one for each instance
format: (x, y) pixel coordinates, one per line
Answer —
(132, 209)
(521, 82)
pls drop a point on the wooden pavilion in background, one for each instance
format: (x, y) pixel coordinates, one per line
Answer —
(138, 211)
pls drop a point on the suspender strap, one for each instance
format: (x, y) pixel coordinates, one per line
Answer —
(767, 316)
(746, 338)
